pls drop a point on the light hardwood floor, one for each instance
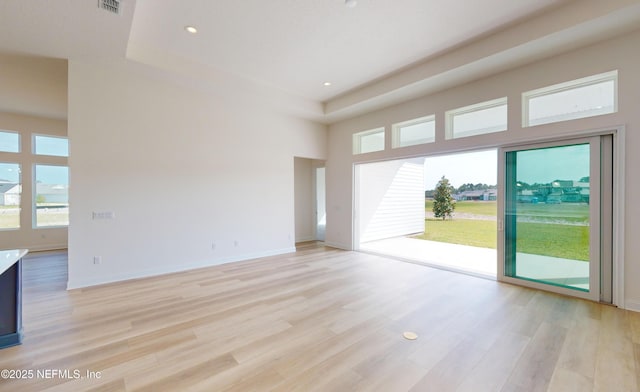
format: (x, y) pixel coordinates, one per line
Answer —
(317, 320)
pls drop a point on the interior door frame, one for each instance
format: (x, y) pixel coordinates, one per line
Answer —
(618, 135)
(315, 167)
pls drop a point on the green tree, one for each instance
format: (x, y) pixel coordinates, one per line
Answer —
(40, 199)
(443, 203)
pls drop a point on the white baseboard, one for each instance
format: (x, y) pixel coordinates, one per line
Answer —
(305, 239)
(632, 304)
(82, 283)
(337, 245)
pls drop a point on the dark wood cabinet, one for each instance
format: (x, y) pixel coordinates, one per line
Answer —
(11, 297)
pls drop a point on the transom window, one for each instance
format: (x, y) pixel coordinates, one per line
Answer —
(51, 145)
(479, 119)
(587, 97)
(417, 131)
(9, 141)
(368, 141)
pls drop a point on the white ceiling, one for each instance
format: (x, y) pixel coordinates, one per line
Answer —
(292, 46)
(64, 28)
(298, 45)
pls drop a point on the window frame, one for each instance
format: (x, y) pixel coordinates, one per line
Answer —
(477, 107)
(396, 131)
(568, 86)
(34, 145)
(357, 140)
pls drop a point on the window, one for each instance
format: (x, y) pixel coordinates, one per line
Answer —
(9, 141)
(10, 189)
(417, 131)
(368, 141)
(586, 97)
(478, 119)
(51, 198)
(49, 145)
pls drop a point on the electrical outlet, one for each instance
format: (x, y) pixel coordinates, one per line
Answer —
(97, 260)
(213, 246)
(235, 243)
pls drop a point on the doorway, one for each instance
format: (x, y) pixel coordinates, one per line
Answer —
(396, 216)
(320, 199)
(557, 216)
(309, 200)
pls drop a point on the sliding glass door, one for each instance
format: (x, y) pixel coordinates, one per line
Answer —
(552, 209)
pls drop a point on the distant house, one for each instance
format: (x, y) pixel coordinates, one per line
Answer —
(10, 194)
(554, 198)
(527, 196)
(50, 193)
(584, 189)
(53, 193)
(558, 191)
(478, 195)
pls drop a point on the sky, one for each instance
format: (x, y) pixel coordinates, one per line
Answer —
(541, 166)
(550, 164)
(57, 175)
(463, 168)
(10, 172)
(9, 142)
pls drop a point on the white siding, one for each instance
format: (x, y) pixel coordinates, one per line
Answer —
(391, 199)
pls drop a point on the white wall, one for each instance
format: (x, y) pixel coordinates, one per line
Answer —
(193, 178)
(619, 53)
(390, 199)
(304, 208)
(33, 86)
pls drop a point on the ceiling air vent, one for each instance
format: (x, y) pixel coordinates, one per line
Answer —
(110, 5)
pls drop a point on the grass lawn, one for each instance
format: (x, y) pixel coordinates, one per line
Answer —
(565, 241)
(9, 217)
(568, 212)
(51, 217)
(55, 215)
(9, 221)
(488, 208)
(480, 233)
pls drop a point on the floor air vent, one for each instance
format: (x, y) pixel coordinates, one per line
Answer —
(110, 5)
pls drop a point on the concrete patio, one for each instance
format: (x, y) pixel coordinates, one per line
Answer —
(481, 261)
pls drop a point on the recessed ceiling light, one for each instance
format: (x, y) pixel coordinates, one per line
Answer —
(326, 84)
(350, 3)
(191, 29)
